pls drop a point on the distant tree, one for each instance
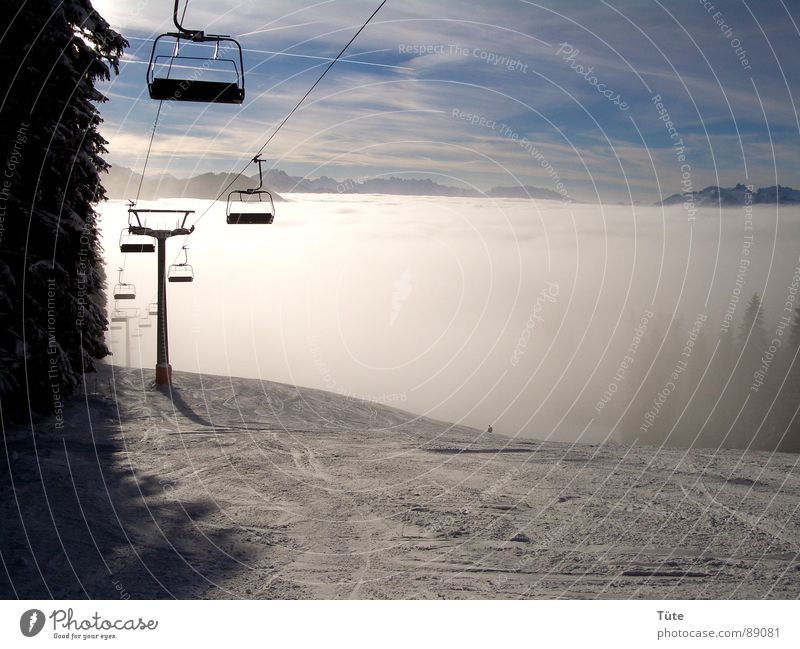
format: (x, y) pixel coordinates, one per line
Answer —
(752, 340)
(794, 333)
(52, 302)
(613, 383)
(718, 388)
(642, 385)
(696, 383)
(664, 430)
(789, 427)
(777, 396)
(751, 329)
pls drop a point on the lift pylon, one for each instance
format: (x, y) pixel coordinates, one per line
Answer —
(163, 368)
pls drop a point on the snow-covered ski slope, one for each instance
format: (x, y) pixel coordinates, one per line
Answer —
(236, 488)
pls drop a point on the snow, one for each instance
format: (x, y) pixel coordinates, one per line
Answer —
(226, 487)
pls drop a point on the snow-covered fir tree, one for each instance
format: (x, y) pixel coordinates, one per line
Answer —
(52, 282)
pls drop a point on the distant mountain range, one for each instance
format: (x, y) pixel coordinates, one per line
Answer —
(733, 196)
(122, 183)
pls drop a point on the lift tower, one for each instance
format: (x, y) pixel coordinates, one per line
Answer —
(163, 368)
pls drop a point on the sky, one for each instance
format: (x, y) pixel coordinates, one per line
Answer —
(623, 101)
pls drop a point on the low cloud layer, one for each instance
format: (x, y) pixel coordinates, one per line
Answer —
(507, 312)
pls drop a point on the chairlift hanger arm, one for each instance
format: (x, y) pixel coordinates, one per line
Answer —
(132, 210)
(191, 33)
(257, 159)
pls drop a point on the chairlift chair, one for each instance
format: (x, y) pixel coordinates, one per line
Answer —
(182, 272)
(129, 240)
(214, 76)
(123, 291)
(123, 314)
(152, 309)
(144, 322)
(251, 206)
(135, 242)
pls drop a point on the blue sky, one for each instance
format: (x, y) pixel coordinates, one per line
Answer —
(447, 90)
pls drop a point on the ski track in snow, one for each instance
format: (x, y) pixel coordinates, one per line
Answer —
(236, 488)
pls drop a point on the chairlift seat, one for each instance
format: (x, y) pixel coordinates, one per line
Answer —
(135, 243)
(212, 92)
(250, 218)
(137, 247)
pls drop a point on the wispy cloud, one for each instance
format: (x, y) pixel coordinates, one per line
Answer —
(389, 106)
